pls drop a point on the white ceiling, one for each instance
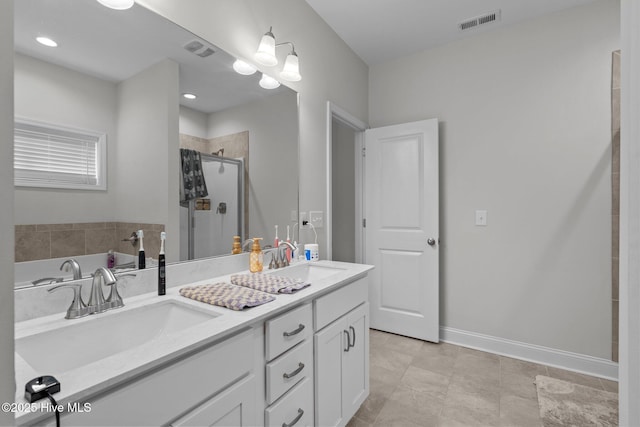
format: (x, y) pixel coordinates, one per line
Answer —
(382, 30)
(115, 45)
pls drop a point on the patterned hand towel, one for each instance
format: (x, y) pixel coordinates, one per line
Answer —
(269, 283)
(226, 295)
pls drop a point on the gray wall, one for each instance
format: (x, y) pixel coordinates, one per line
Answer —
(58, 95)
(525, 134)
(272, 123)
(343, 193)
(147, 151)
(7, 382)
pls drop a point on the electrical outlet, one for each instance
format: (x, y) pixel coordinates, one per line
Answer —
(303, 218)
(316, 219)
(294, 216)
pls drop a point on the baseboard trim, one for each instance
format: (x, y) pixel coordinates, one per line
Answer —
(532, 353)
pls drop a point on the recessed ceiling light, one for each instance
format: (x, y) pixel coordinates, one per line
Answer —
(189, 96)
(117, 4)
(46, 41)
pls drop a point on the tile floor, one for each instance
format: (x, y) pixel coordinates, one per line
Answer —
(416, 383)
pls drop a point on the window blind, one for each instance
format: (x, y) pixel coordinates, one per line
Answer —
(48, 156)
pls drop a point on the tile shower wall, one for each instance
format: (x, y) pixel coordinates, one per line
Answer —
(44, 241)
(615, 194)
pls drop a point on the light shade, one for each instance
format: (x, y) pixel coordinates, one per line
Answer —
(243, 68)
(291, 69)
(266, 53)
(117, 4)
(267, 82)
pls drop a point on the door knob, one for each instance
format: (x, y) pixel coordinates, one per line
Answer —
(431, 241)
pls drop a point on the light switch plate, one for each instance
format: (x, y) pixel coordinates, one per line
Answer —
(481, 217)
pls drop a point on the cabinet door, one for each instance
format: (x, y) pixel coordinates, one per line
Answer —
(355, 362)
(235, 406)
(330, 343)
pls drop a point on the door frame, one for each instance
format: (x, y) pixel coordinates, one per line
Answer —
(358, 126)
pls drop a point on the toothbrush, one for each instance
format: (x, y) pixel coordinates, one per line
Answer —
(141, 260)
(288, 248)
(276, 241)
(162, 279)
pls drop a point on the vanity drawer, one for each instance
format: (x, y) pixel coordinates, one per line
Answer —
(295, 407)
(330, 307)
(288, 369)
(287, 330)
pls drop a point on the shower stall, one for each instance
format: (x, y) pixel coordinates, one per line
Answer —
(208, 224)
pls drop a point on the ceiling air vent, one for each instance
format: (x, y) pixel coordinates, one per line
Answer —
(199, 48)
(486, 18)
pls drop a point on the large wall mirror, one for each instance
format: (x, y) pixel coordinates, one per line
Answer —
(123, 74)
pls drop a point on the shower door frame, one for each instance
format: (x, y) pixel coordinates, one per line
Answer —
(192, 204)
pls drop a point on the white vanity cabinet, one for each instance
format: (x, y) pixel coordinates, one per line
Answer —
(289, 368)
(341, 354)
(214, 386)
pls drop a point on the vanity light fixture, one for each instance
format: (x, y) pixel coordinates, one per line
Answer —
(117, 4)
(46, 41)
(244, 68)
(266, 55)
(189, 96)
(268, 82)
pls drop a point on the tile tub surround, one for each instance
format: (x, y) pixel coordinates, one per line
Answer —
(415, 382)
(82, 383)
(44, 241)
(615, 197)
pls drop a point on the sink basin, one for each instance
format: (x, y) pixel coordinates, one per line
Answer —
(102, 335)
(308, 272)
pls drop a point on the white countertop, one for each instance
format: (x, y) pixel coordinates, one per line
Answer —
(78, 385)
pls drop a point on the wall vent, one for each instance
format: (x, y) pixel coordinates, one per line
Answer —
(483, 19)
(199, 48)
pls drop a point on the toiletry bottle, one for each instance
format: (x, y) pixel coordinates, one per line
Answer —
(111, 259)
(237, 245)
(141, 259)
(255, 257)
(276, 241)
(162, 278)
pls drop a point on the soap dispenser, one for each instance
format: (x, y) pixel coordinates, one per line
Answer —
(237, 245)
(255, 258)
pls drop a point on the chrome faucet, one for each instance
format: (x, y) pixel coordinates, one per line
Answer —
(75, 267)
(279, 257)
(97, 303)
(77, 308)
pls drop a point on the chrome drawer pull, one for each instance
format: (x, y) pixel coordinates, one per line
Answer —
(294, 373)
(292, 423)
(292, 333)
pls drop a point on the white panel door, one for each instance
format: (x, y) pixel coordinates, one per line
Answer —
(402, 228)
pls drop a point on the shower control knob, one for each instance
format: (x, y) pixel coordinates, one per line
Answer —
(431, 241)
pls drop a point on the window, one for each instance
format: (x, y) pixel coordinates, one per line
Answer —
(53, 156)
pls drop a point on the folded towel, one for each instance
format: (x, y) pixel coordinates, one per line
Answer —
(226, 295)
(270, 283)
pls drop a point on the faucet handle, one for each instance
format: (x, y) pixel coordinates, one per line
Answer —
(114, 300)
(77, 308)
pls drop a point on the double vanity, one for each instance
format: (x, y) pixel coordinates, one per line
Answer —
(302, 359)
